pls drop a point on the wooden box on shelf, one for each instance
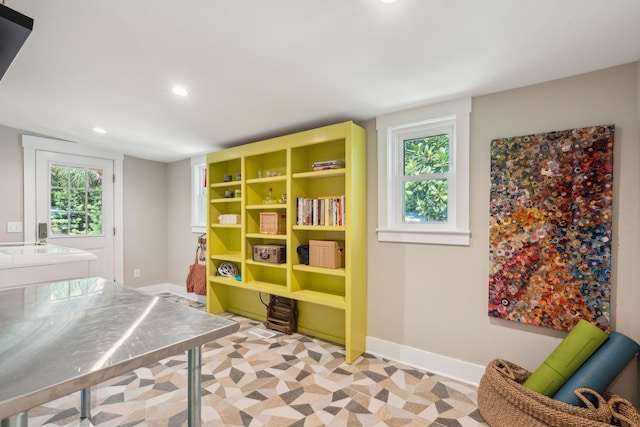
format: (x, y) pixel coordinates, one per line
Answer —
(273, 223)
(326, 253)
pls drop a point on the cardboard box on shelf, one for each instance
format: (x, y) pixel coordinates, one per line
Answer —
(326, 253)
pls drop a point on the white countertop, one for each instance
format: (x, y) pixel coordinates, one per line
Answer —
(14, 255)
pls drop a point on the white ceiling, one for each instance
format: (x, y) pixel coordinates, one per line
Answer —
(260, 68)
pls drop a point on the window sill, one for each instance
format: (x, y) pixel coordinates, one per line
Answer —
(435, 237)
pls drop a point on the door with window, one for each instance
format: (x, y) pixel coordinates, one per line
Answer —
(74, 205)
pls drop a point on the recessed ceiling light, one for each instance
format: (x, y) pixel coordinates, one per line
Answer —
(99, 130)
(180, 90)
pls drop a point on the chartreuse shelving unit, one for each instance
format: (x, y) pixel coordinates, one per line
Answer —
(331, 302)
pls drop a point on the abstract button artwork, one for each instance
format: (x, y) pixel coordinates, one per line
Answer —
(550, 227)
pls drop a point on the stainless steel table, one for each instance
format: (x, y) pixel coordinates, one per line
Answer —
(62, 337)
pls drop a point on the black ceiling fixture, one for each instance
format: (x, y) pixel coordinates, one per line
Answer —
(14, 30)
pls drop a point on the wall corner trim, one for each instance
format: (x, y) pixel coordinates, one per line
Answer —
(455, 369)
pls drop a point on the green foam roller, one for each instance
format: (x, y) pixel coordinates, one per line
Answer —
(583, 340)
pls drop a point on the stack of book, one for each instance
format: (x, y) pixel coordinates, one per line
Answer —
(328, 164)
(323, 211)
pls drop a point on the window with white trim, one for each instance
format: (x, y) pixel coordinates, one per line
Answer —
(198, 194)
(423, 174)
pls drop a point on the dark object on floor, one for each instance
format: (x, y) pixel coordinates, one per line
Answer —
(282, 315)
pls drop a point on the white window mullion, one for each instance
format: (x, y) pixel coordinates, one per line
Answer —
(198, 194)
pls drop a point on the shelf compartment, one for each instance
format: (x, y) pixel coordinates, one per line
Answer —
(264, 165)
(323, 228)
(333, 186)
(267, 208)
(224, 240)
(320, 270)
(323, 298)
(275, 274)
(252, 220)
(307, 282)
(270, 288)
(267, 180)
(266, 264)
(218, 191)
(319, 174)
(225, 184)
(235, 298)
(223, 280)
(228, 206)
(266, 236)
(256, 286)
(217, 225)
(217, 170)
(259, 192)
(303, 158)
(227, 200)
(235, 257)
(303, 233)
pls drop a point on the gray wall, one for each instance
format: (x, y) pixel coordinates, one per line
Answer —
(181, 242)
(12, 189)
(436, 296)
(145, 221)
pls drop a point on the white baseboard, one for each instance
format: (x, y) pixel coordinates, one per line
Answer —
(455, 369)
(459, 370)
(174, 289)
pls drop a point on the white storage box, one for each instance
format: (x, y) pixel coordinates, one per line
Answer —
(229, 219)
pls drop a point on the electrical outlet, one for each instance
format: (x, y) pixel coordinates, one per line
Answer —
(14, 227)
(136, 273)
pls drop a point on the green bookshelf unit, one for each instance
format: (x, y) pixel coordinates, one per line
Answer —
(272, 176)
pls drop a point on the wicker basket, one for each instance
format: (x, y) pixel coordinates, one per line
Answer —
(504, 402)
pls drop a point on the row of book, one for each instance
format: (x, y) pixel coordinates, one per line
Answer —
(586, 358)
(328, 164)
(329, 211)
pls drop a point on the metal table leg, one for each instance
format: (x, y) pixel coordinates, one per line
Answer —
(85, 403)
(17, 420)
(194, 393)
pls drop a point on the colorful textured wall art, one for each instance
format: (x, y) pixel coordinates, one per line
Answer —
(550, 227)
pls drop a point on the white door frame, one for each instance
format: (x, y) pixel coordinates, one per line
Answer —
(30, 145)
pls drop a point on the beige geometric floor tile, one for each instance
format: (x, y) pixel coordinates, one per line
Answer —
(286, 380)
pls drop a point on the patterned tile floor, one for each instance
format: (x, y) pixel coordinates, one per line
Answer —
(286, 380)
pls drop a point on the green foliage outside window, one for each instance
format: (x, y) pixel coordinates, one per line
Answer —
(426, 200)
(76, 200)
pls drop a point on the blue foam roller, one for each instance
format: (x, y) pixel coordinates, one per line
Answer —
(599, 371)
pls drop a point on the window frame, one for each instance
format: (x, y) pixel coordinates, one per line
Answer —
(198, 194)
(401, 134)
(392, 130)
(69, 211)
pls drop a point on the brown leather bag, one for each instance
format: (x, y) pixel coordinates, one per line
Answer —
(197, 277)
